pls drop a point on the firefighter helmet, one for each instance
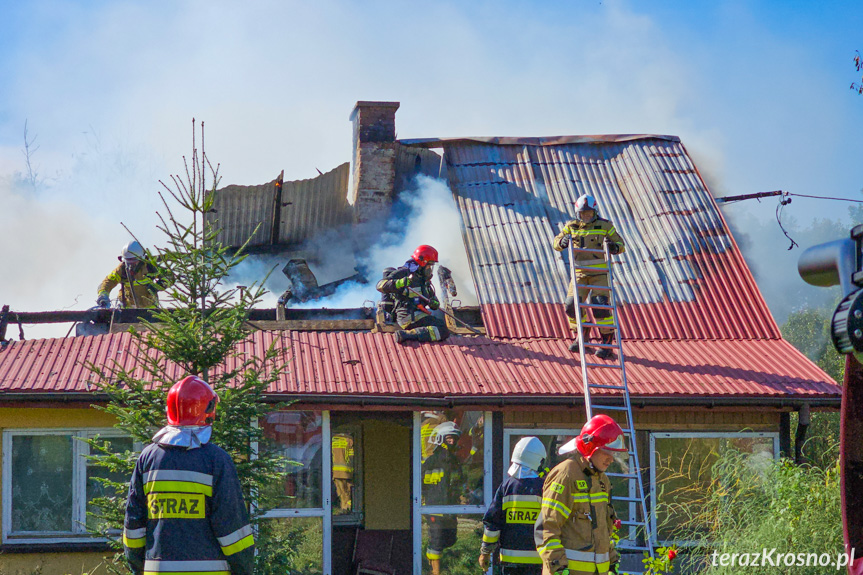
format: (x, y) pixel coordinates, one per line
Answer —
(442, 430)
(191, 401)
(424, 255)
(585, 203)
(132, 251)
(600, 432)
(529, 452)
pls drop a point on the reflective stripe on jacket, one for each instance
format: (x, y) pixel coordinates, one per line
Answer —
(510, 519)
(144, 286)
(590, 236)
(576, 519)
(185, 514)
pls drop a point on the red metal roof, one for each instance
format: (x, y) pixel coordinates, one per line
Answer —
(372, 364)
(682, 275)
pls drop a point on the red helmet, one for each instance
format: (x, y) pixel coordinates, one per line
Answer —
(191, 401)
(600, 431)
(424, 255)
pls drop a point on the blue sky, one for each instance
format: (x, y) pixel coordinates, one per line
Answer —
(757, 90)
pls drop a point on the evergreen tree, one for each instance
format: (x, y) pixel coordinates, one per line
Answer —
(201, 330)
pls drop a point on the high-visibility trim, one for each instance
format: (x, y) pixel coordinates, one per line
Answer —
(178, 475)
(433, 554)
(552, 544)
(599, 497)
(520, 556)
(177, 487)
(580, 497)
(135, 538)
(490, 536)
(522, 502)
(588, 556)
(347, 468)
(588, 567)
(243, 543)
(237, 541)
(216, 567)
(557, 506)
(590, 232)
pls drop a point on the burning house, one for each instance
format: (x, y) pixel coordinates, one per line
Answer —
(708, 369)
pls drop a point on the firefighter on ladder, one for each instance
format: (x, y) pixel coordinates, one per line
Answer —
(411, 288)
(576, 521)
(138, 280)
(511, 516)
(590, 231)
(185, 511)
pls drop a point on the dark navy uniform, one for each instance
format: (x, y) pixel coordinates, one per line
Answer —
(407, 307)
(185, 514)
(509, 522)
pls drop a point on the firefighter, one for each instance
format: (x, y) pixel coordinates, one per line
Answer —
(576, 521)
(343, 470)
(185, 511)
(411, 288)
(443, 481)
(510, 519)
(138, 279)
(590, 231)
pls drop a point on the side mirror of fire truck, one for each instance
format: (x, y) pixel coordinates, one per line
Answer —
(840, 263)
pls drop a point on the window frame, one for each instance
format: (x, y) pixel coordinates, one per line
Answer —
(774, 435)
(80, 449)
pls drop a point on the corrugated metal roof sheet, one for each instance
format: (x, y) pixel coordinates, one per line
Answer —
(306, 207)
(372, 364)
(313, 205)
(682, 275)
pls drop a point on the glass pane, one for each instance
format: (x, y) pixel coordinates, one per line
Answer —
(684, 473)
(292, 546)
(97, 489)
(452, 467)
(346, 478)
(42, 483)
(297, 436)
(454, 541)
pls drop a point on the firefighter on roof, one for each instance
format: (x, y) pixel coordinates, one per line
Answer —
(590, 231)
(185, 511)
(511, 516)
(443, 480)
(576, 521)
(138, 280)
(411, 288)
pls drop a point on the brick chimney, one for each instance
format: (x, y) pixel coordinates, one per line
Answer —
(374, 169)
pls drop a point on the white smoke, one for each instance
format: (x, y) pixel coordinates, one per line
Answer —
(431, 217)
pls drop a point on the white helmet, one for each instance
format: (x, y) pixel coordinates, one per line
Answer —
(442, 430)
(586, 202)
(529, 452)
(132, 250)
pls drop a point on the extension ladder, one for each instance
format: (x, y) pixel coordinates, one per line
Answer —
(639, 537)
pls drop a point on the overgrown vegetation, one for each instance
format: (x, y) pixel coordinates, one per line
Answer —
(751, 505)
(199, 332)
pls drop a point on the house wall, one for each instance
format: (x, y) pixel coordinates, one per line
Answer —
(56, 560)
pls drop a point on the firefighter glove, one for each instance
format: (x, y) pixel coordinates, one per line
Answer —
(103, 301)
(404, 282)
(433, 303)
(564, 241)
(613, 248)
(615, 568)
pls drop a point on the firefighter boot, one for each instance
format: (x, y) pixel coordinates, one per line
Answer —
(573, 347)
(405, 335)
(427, 334)
(606, 352)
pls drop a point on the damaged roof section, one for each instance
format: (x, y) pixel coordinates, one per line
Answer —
(284, 213)
(682, 275)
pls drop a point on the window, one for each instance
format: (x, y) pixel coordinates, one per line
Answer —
(681, 468)
(49, 486)
(347, 483)
(299, 505)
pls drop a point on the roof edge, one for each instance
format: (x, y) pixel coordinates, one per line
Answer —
(538, 141)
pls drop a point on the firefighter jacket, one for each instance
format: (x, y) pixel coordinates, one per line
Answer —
(576, 519)
(412, 298)
(343, 457)
(590, 236)
(144, 283)
(443, 477)
(510, 519)
(185, 514)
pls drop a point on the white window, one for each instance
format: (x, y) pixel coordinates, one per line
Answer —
(681, 466)
(48, 486)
